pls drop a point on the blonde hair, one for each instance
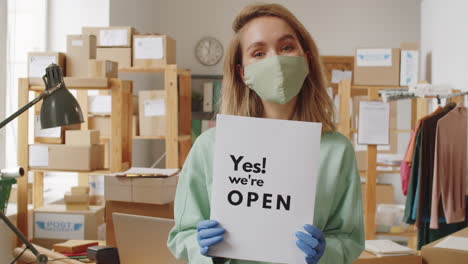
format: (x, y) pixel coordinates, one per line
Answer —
(313, 104)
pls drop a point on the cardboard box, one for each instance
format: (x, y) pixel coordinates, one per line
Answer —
(151, 51)
(68, 158)
(434, 255)
(154, 210)
(102, 69)
(38, 62)
(70, 197)
(384, 194)
(409, 64)
(369, 258)
(123, 56)
(82, 137)
(111, 36)
(140, 189)
(55, 135)
(74, 246)
(152, 112)
(53, 222)
(80, 49)
(101, 123)
(80, 190)
(377, 66)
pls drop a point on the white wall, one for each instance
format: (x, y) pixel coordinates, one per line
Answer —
(3, 82)
(338, 26)
(67, 17)
(443, 34)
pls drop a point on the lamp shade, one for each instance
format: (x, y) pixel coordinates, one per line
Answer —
(60, 108)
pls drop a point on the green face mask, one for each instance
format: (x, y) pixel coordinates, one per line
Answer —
(277, 79)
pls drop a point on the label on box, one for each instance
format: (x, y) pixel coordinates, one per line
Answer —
(113, 37)
(149, 48)
(374, 57)
(155, 107)
(409, 67)
(38, 64)
(96, 185)
(77, 42)
(100, 104)
(59, 226)
(38, 156)
(338, 75)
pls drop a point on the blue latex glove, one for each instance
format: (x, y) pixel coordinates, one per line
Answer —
(208, 235)
(311, 243)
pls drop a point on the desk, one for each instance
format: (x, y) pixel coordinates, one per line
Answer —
(369, 258)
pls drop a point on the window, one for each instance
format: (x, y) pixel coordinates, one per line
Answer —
(26, 31)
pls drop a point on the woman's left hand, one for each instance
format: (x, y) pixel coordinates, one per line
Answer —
(311, 243)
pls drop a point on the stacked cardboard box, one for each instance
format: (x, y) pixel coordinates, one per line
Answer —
(82, 152)
(80, 49)
(77, 199)
(102, 69)
(147, 196)
(387, 66)
(38, 62)
(152, 51)
(54, 224)
(113, 43)
(152, 113)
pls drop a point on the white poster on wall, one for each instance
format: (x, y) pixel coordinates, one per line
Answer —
(59, 226)
(374, 57)
(409, 67)
(268, 177)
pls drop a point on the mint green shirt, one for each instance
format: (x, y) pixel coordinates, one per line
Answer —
(338, 204)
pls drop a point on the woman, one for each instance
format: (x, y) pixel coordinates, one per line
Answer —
(272, 70)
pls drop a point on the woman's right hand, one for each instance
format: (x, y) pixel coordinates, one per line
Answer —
(208, 235)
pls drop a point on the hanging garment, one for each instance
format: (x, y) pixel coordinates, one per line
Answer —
(427, 235)
(428, 133)
(405, 168)
(450, 167)
(412, 185)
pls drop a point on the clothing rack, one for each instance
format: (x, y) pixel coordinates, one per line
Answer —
(419, 109)
(403, 93)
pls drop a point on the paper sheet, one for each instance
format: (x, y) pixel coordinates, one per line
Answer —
(409, 67)
(374, 123)
(338, 75)
(374, 57)
(38, 156)
(100, 104)
(148, 48)
(273, 206)
(155, 107)
(113, 37)
(453, 242)
(38, 64)
(54, 132)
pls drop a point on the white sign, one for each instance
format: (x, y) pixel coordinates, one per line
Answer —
(113, 37)
(264, 181)
(59, 226)
(338, 75)
(155, 107)
(148, 48)
(101, 104)
(374, 123)
(38, 65)
(409, 67)
(374, 57)
(54, 132)
(38, 155)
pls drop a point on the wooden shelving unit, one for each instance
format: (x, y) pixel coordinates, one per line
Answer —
(121, 149)
(345, 92)
(178, 138)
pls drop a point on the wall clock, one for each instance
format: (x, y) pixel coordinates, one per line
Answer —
(209, 51)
